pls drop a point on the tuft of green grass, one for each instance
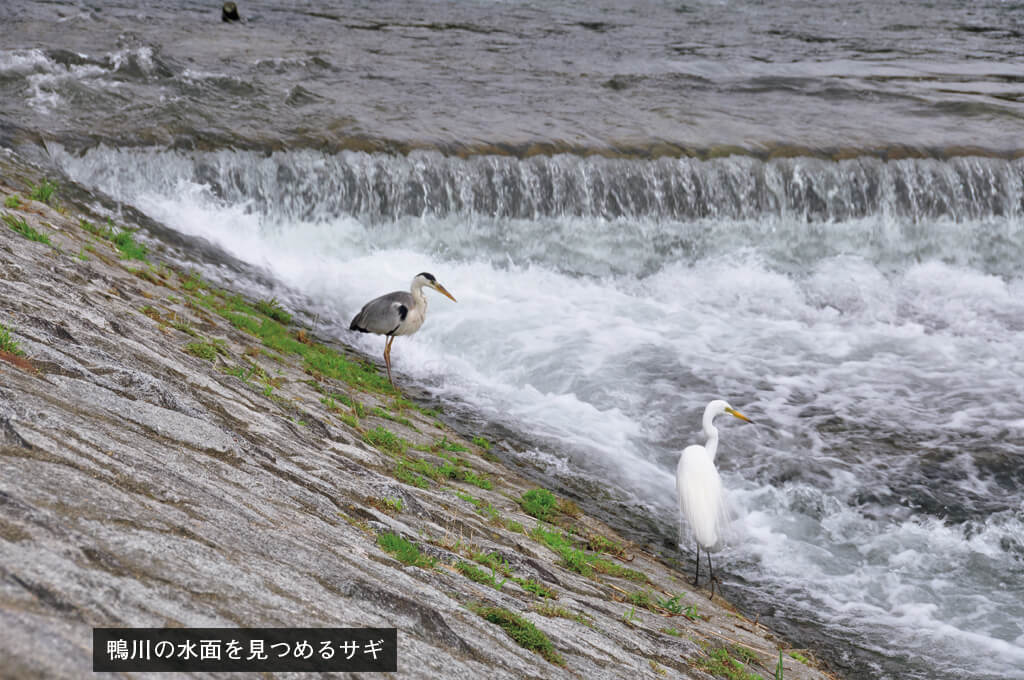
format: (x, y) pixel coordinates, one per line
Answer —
(533, 586)
(778, 668)
(578, 560)
(569, 507)
(203, 350)
(385, 439)
(640, 598)
(19, 225)
(152, 312)
(9, 344)
(382, 413)
(483, 507)
(602, 544)
(387, 504)
(249, 324)
(273, 309)
(191, 282)
(539, 503)
(444, 444)
(130, 248)
(691, 612)
(674, 632)
(475, 573)
(473, 478)
(241, 372)
(12, 201)
(44, 191)
(499, 566)
(522, 631)
(95, 230)
(612, 569)
(185, 327)
(672, 604)
(404, 474)
(572, 558)
(720, 663)
(485, 448)
(551, 610)
(800, 657)
(405, 551)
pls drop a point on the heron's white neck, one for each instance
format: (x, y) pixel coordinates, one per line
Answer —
(419, 299)
(711, 432)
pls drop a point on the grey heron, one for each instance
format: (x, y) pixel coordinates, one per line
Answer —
(699, 486)
(397, 313)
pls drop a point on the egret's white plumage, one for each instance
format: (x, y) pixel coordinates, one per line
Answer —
(699, 486)
(397, 313)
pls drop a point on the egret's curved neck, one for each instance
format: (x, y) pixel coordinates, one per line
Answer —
(711, 432)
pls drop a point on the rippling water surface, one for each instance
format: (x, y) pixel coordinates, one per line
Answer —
(812, 211)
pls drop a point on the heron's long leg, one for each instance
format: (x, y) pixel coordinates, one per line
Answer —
(387, 357)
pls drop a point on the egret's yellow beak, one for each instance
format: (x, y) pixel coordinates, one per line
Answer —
(734, 412)
(441, 289)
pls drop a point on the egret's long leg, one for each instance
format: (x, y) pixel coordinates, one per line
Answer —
(713, 580)
(696, 575)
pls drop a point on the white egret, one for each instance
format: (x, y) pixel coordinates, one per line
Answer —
(397, 313)
(699, 487)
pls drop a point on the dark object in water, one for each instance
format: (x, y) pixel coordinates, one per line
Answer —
(229, 12)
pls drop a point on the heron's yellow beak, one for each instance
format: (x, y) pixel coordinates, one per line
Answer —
(441, 289)
(734, 412)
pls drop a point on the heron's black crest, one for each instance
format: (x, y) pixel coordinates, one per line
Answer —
(428, 276)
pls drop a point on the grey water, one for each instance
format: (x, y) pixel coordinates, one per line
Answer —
(813, 210)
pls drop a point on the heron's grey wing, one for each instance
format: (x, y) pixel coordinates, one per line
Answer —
(383, 315)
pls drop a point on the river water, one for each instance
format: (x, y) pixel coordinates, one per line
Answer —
(813, 210)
